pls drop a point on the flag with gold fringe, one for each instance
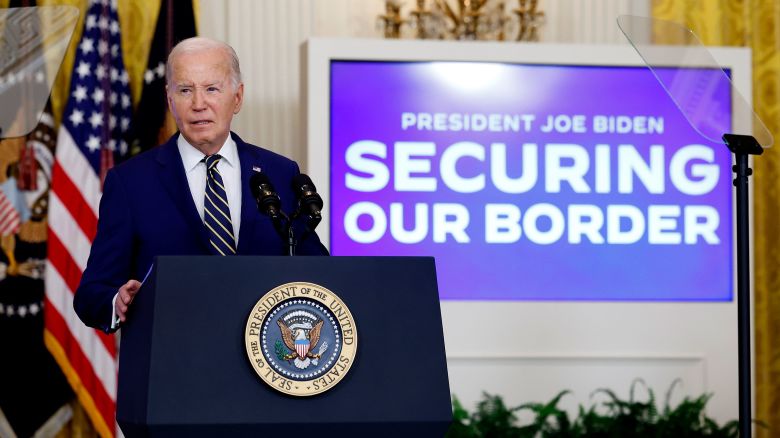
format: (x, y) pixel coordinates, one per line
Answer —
(92, 137)
(153, 122)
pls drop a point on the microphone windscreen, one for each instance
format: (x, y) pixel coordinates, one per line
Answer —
(257, 180)
(301, 180)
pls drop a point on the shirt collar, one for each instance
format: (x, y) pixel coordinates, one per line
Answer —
(191, 157)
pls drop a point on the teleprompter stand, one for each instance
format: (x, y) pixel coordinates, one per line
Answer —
(742, 146)
(703, 80)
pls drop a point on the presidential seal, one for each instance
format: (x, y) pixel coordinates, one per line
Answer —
(301, 339)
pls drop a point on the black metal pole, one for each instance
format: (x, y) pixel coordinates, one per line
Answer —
(290, 239)
(742, 171)
(742, 146)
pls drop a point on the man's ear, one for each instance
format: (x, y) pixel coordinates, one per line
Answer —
(239, 98)
(168, 98)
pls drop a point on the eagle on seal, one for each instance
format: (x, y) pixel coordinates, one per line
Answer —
(301, 343)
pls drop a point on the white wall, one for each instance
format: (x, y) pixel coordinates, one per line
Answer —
(267, 35)
(598, 344)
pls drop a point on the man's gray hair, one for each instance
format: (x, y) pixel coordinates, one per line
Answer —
(197, 44)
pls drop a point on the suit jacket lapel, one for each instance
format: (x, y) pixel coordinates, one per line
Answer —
(175, 182)
(248, 159)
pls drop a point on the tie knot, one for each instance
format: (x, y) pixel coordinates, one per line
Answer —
(212, 160)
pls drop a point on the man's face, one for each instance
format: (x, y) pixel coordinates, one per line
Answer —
(202, 98)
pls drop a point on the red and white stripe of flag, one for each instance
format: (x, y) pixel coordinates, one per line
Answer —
(10, 221)
(87, 356)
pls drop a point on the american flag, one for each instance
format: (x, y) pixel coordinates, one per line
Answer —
(153, 122)
(91, 138)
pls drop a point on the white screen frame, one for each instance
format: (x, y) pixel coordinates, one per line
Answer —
(589, 344)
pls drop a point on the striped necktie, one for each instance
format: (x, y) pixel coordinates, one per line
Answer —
(216, 216)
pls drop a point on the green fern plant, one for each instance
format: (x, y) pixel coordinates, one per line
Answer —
(611, 418)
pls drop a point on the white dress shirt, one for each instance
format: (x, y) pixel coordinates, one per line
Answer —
(195, 169)
(228, 167)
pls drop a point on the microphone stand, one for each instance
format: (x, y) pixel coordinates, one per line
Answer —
(279, 219)
(290, 238)
(311, 220)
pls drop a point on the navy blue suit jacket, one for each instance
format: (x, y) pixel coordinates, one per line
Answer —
(147, 210)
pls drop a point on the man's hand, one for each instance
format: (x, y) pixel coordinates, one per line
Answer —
(125, 297)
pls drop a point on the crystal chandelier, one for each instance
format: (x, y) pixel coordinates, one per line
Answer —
(467, 20)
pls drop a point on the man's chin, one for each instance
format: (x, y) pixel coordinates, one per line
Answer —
(204, 142)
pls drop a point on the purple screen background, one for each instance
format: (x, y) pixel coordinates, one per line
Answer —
(368, 98)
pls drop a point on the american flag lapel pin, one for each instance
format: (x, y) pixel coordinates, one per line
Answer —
(256, 169)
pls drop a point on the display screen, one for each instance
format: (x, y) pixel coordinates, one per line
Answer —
(532, 182)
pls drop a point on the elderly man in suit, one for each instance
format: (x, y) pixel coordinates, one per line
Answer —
(189, 196)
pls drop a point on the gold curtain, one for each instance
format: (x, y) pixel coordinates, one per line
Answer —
(137, 20)
(754, 24)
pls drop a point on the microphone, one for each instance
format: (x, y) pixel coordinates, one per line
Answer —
(268, 202)
(309, 201)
